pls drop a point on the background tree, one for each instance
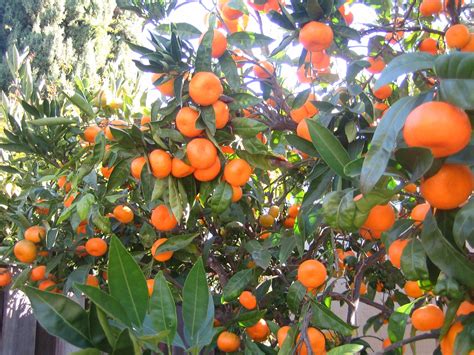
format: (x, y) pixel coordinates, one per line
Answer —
(67, 38)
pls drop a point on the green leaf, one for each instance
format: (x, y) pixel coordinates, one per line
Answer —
(323, 317)
(163, 308)
(229, 68)
(346, 32)
(119, 175)
(184, 30)
(295, 295)
(84, 205)
(177, 242)
(125, 344)
(60, 316)
(403, 64)
(417, 161)
(203, 55)
(247, 127)
(459, 92)
(247, 319)
(385, 140)
(302, 145)
(447, 258)
(463, 229)
(287, 245)
(413, 261)
(329, 147)
(236, 285)
(260, 255)
(248, 40)
(88, 351)
(398, 322)
(82, 104)
(127, 282)
(346, 349)
(242, 100)
(175, 199)
(108, 304)
(208, 115)
(101, 222)
(158, 189)
(52, 121)
(221, 197)
(195, 302)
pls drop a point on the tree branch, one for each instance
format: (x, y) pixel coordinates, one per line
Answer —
(432, 335)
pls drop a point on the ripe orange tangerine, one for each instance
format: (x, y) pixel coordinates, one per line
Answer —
(201, 153)
(237, 172)
(205, 88)
(316, 36)
(164, 256)
(186, 122)
(312, 273)
(180, 169)
(210, 173)
(160, 163)
(162, 219)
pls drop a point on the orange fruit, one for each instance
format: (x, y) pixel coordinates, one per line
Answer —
(302, 130)
(312, 273)
(289, 222)
(48, 285)
(448, 341)
(469, 47)
(449, 188)
(237, 172)
(266, 220)
(44, 211)
(150, 284)
(317, 342)
(377, 65)
(230, 13)
(294, 210)
(465, 308)
(164, 256)
(25, 251)
(428, 317)
(160, 163)
(456, 3)
(136, 167)
(106, 171)
(82, 228)
(263, 70)
(186, 122)
(166, 88)
(226, 149)
(119, 124)
(219, 44)
(316, 36)
(299, 114)
(62, 183)
(96, 247)
(310, 108)
(346, 14)
(91, 132)
(209, 173)
(38, 273)
(383, 93)
(205, 88)
(265, 235)
(81, 251)
(35, 234)
(248, 300)
(429, 45)
(180, 169)
(162, 219)
(430, 7)
(282, 334)
(145, 120)
(228, 342)
(274, 211)
(412, 289)
(123, 214)
(5, 277)
(395, 251)
(259, 331)
(68, 200)
(381, 106)
(419, 212)
(305, 74)
(92, 281)
(201, 153)
(411, 188)
(236, 193)
(439, 126)
(221, 112)
(380, 219)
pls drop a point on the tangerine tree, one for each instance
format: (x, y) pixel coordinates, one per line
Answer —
(240, 210)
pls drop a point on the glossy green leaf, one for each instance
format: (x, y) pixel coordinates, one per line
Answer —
(163, 308)
(463, 229)
(242, 100)
(442, 253)
(175, 199)
(295, 295)
(177, 242)
(403, 64)
(119, 175)
(221, 198)
(52, 121)
(247, 319)
(236, 285)
(127, 282)
(328, 147)
(459, 92)
(209, 117)
(195, 302)
(84, 205)
(413, 261)
(203, 56)
(229, 68)
(417, 161)
(324, 318)
(247, 127)
(60, 316)
(385, 140)
(126, 344)
(105, 302)
(248, 40)
(346, 349)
